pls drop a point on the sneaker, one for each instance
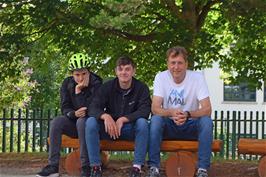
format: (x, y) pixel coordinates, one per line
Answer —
(153, 172)
(135, 172)
(96, 171)
(85, 171)
(202, 173)
(49, 171)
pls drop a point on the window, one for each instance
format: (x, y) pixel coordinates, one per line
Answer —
(240, 92)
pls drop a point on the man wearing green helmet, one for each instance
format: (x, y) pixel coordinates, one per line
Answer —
(76, 94)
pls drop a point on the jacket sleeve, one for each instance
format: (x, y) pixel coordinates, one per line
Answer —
(96, 108)
(67, 108)
(93, 94)
(143, 106)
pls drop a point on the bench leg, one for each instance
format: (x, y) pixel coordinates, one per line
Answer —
(73, 165)
(181, 164)
(262, 165)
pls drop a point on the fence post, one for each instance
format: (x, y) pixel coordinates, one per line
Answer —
(19, 130)
(27, 130)
(234, 136)
(263, 121)
(215, 125)
(245, 128)
(41, 134)
(4, 131)
(11, 130)
(34, 130)
(222, 134)
(48, 129)
(227, 134)
(239, 129)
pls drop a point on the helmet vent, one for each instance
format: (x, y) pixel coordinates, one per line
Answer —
(81, 63)
(72, 66)
(76, 64)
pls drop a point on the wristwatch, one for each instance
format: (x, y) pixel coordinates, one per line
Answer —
(188, 114)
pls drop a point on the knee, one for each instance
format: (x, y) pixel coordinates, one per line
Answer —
(205, 123)
(57, 123)
(156, 123)
(91, 125)
(142, 124)
(81, 123)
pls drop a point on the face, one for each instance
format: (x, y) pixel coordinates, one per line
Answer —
(125, 73)
(177, 66)
(80, 75)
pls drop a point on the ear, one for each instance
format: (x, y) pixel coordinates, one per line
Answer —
(186, 64)
(134, 71)
(115, 70)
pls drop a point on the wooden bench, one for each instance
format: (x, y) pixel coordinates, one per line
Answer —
(182, 162)
(254, 147)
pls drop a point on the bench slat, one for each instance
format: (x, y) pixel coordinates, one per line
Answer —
(252, 146)
(121, 145)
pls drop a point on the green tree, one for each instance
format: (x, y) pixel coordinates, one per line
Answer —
(230, 32)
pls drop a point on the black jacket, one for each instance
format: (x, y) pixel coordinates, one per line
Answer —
(111, 99)
(70, 102)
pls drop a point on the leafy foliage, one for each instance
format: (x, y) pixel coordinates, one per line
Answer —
(229, 32)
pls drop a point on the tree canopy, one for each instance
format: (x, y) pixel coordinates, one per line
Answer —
(230, 32)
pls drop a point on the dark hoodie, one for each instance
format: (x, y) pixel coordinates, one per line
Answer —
(70, 102)
(133, 103)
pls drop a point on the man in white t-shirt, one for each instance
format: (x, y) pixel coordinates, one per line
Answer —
(181, 110)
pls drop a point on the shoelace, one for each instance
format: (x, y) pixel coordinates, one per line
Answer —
(96, 170)
(153, 172)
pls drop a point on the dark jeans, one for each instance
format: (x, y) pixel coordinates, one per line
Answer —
(63, 125)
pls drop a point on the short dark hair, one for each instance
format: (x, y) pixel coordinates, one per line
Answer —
(125, 60)
(175, 51)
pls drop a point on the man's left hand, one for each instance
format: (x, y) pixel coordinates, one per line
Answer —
(180, 119)
(119, 124)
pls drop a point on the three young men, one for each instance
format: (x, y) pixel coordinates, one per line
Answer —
(119, 111)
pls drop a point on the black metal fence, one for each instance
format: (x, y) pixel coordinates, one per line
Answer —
(27, 130)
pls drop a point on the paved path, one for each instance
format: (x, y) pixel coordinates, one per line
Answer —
(33, 175)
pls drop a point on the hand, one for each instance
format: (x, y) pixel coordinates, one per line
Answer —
(82, 84)
(81, 112)
(180, 119)
(110, 126)
(119, 124)
(175, 112)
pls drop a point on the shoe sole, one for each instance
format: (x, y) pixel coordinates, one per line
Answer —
(51, 175)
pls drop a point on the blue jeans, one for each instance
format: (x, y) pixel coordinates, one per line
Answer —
(195, 129)
(138, 130)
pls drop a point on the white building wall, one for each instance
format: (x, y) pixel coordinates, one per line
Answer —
(215, 85)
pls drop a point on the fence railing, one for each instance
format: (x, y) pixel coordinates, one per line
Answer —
(27, 130)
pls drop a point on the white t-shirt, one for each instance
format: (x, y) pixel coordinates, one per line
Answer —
(186, 95)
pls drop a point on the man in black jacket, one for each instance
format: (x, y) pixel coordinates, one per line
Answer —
(119, 110)
(76, 94)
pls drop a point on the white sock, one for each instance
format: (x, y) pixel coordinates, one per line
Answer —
(137, 166)
(202, 169)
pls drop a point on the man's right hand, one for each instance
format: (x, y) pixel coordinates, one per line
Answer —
(81, 112)
(82, 85)
(110, 126)
(175, 112)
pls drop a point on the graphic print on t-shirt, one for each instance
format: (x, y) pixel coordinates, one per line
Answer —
(176, 98)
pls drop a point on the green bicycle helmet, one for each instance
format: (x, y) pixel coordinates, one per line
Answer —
(78, 61)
